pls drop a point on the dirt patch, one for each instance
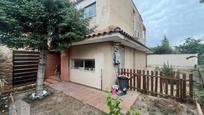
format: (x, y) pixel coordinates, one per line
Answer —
(59, 103)
(149, 105)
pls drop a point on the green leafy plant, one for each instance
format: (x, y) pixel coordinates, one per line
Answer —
(113, 103)
(200, 95)
(133, 111)
(167, 70)
(3, 82)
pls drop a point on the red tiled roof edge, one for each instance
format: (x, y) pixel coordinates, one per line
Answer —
(114, 30)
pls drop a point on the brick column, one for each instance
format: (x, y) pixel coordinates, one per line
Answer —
(65, 69)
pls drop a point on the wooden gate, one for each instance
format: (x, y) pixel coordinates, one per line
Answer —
(25, 66)
(179, 87)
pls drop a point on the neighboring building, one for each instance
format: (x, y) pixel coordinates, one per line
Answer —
(119, 37)
(177, 61)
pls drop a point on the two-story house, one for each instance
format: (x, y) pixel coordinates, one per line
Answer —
(118, 42)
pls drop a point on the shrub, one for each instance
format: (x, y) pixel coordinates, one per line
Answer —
(113, 103)
(134, 111)
(167, 70)
(200, 94)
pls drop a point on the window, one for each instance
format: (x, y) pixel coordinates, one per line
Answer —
(90, 10)
(84, 64)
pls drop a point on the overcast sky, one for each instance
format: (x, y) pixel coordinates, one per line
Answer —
(177, 19)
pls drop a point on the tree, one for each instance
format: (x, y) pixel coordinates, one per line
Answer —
(34, 23)
(164, 48)
(192, 46)
(201, 1)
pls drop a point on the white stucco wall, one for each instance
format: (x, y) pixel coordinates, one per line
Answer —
(104, 69)
(132, 59)
(176, 60)
(117, 13)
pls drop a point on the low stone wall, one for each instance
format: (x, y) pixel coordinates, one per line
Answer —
(6, 66)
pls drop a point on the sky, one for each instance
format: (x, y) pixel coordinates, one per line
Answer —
(177, 19)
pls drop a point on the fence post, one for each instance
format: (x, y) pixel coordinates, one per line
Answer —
(147, 81)
(191, 85)
(130, 77)
(144, 81)
(161, 89)
(184, 87)
(181, 89)
(156, 82)
(166, 88)
(177, 85)
(121, 71)
(134, 81)
(152, 83)
(139, 81)
(172, 87)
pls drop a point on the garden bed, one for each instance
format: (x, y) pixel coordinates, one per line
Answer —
(58, 103)
(148, 105)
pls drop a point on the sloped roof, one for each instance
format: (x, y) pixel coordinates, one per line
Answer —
(111, 30)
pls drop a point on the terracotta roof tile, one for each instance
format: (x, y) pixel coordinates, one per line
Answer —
(113, 29)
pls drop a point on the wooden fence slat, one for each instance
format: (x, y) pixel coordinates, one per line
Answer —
(130, 76)
(166, 86)
(25, 65)
(161, 84)
(191, 85)
(184, 87)
(139, 76)
(152, 83)
(137, 80)
(134, 79)
(121, 71)
(172, 88)
(156, 82)
(148, 81)
(144, 81)
(181, 89)
(177, 85)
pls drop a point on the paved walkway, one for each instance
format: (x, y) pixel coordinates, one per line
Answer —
(93, 97)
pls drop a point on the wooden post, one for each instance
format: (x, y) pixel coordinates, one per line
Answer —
(181, 89)
(191, 85)
(134, 80)
(177, 85)
(161, 82)
(184, 87)
(166, 90)
(124, 72)
(138, 80)
(139, 76)
(121, 71)
(148, 81)
(130, 76)
(152, 83)
(172, 87)
(156, 82)
(144, 81)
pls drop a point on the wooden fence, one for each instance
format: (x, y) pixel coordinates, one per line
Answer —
(25, 66)
(179, 86)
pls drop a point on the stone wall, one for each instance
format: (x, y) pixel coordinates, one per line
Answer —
(6, 66)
